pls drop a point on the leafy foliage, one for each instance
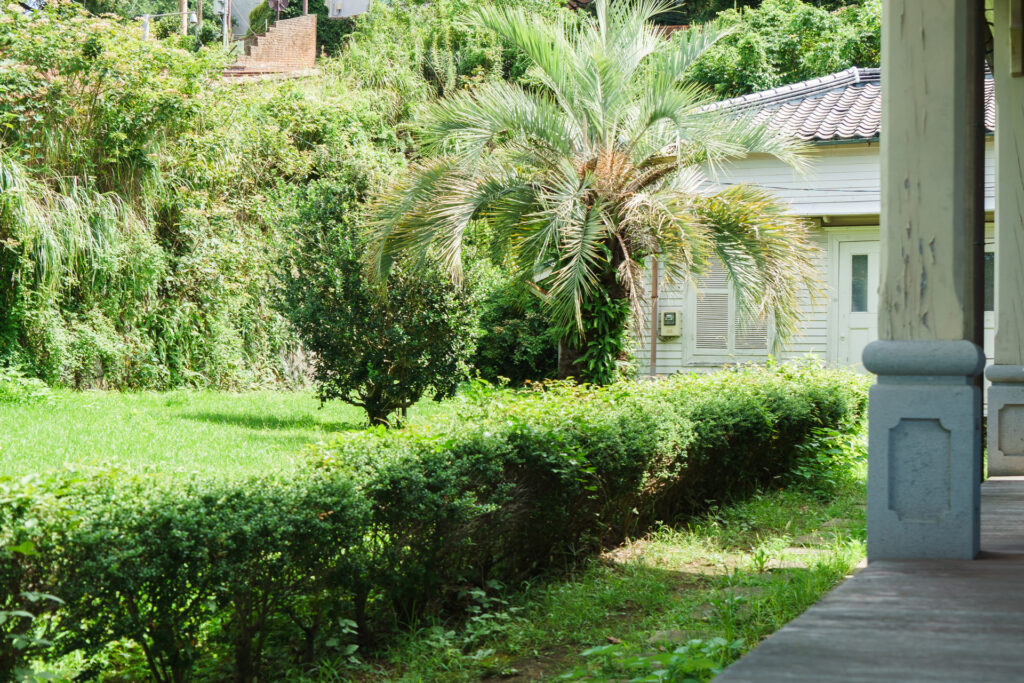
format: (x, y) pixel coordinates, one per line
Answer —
(597, 168)
(786, 41)
(378, 353)
(15, 387)
(261, 578)
(697, 661)
(144, 207)
(517, 341)
(830, 459)
(123, 267)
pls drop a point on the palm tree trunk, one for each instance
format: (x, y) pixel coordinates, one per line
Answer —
(568, 353)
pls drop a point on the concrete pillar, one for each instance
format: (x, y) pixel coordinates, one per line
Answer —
(1006, 395)
(925, 409)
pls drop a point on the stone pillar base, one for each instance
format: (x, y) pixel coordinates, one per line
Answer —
(1005, 420)
(924, 449)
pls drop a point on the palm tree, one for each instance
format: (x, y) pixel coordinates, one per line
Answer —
(583, 178)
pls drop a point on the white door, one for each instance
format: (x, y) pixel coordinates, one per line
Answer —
(858, 300)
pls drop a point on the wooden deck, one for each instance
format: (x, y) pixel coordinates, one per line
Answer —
(930, 620)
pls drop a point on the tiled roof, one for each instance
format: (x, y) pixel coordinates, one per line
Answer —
(841, 106)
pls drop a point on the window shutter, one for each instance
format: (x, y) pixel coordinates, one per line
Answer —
(712, 319)
(714, 278)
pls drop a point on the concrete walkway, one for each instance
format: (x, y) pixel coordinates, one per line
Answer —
(925, 620)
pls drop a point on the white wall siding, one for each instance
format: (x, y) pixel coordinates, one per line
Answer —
(676, 354)
(671, 356)
(813, 335)
(840, 180)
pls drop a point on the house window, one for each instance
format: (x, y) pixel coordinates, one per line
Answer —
(859, 283)
(720, 328)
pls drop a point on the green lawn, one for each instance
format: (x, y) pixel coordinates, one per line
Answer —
(177, 432)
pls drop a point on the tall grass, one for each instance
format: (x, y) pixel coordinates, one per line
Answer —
(70, 234)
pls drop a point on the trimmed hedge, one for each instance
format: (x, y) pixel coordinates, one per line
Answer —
(249, 580)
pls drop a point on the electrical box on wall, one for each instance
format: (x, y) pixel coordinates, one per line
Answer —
(670, 324)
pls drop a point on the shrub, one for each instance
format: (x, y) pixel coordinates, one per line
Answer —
(242, 565)
(517, 482)
(258, 579)
(377, 350)
(517, 340)
(15, 387)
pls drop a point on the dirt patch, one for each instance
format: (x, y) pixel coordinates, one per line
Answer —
(539, 667)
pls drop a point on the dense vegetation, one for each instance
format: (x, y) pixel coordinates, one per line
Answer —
(786, 41)
(144, 206)
(258, 577)
(160, 228)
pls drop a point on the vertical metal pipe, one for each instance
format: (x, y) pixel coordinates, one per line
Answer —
(654, 317)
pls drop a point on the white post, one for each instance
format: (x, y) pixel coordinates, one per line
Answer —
(183, 9)
(925, 410)
(145, 27)
(1006, 395)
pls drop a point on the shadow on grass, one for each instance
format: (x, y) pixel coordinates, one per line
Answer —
(262, 422)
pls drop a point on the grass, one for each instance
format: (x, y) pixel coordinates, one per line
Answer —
(721, 583)
(220, 433)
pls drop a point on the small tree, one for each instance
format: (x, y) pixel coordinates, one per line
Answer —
(379, 353)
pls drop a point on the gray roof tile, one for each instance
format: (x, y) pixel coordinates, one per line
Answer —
(841, 106)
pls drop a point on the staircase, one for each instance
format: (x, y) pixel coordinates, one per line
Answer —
(289, 45)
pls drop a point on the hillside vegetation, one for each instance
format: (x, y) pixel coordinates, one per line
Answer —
(145, 204)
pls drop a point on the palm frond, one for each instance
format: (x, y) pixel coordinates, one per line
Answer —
(765, 252)
(604, 165)
(549, 43)
(579, 259)
(469, 123)
(669, 65)
(398, 215)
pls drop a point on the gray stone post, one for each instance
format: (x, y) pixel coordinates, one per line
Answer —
(1005, 420)
(924, 449)
(1006, 395)
(925, 410)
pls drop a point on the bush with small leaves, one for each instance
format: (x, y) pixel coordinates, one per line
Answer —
(381, 350)
(261, 578)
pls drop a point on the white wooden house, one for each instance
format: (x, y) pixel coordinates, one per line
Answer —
(839, 116)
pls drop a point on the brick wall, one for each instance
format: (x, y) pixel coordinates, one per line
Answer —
(289, 45)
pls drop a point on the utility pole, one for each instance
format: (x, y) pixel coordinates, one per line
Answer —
(183, 9)
(229, 30)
